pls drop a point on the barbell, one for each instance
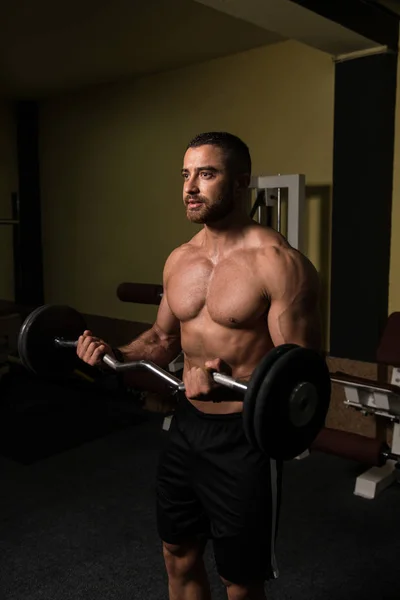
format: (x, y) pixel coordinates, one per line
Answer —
(285, 403)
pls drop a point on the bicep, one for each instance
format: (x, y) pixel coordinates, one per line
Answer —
(294, 314)
(166, 322)
(295, 322)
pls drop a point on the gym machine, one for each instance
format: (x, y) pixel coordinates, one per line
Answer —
(270, 193)
(382, 401)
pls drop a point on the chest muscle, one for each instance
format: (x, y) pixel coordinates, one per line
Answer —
(228, 293)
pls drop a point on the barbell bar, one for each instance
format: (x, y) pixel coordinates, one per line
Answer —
(143, 365)
(285, 402)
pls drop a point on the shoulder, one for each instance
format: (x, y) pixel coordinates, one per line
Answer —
(282, 267)
(181, 254)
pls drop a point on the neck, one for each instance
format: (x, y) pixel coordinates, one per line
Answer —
(226, 234)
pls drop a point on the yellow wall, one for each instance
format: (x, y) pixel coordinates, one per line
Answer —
(8, 184)
(111, 157)
(394, 277)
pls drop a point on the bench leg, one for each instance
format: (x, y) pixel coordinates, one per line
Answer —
(375, 480)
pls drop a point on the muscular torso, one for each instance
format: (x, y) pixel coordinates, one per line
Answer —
(222, 305)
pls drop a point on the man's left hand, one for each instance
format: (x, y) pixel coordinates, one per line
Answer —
(199, 383)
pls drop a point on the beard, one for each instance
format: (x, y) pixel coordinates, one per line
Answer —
(212, 212)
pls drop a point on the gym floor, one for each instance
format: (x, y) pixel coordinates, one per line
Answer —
(77, 515)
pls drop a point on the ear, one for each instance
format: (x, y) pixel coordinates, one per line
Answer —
(242, 181)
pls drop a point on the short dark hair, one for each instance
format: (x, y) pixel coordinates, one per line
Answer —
(236, 151)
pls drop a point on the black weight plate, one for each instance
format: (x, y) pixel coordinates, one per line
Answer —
(253, 387)
(36, 347)
(278, 433)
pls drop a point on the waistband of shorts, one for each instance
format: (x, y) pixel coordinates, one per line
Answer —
(186, 406)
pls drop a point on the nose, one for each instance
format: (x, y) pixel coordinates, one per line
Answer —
(190, 187)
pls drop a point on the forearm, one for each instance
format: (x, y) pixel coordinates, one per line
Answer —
(155, 346)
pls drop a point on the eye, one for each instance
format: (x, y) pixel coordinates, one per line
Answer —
(206, 174)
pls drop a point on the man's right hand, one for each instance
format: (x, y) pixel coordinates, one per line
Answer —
(91, 349)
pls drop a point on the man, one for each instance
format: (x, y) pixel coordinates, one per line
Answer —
(234, 291)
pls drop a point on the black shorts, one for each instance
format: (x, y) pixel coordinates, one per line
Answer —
(212, 483)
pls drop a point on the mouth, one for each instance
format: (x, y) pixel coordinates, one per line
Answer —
(193, 204)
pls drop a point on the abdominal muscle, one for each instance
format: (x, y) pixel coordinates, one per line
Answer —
(241, 349)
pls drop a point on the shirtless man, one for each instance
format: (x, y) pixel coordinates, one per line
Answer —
(234, 291)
